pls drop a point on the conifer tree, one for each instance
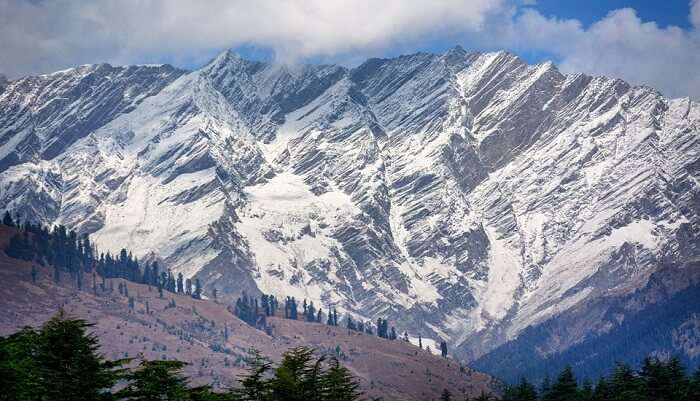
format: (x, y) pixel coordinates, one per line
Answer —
(7, 219)
(156, 380)
(446, 395)
(625, 384)
(338, 384)
(443, 349)
(68, 364)
(694, 386)
(524, 391)
(19, 378)
(180, 284)
(291, 379)
(565, 388)
(197, 289)
(254, 385)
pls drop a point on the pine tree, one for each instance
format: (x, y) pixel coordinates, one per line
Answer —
(546, 389)
(694, 386)
(664, 380)
(625, 384)
(446, 395)
(156, 380)
(338, 384)
(443, 349)
(524, 391)
(197, 289)
(254, 385)
(565, 388)
(180, 284)
(69, 366)
(586, 392)
(291, 379)
(7, 219)
(19, 378)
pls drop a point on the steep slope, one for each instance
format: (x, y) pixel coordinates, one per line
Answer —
(466, 196)
(42, 116)
(214, 342)
(660, 319)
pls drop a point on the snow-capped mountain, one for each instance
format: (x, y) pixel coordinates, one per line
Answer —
(465, 196)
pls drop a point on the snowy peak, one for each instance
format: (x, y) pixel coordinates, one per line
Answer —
(40, 117)
(465, 195)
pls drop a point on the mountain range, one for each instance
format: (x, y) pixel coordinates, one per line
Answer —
(507, 208)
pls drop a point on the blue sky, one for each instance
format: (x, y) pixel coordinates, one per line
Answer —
(664, 13)
(655, 43)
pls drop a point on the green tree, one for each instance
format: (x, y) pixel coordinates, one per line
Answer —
(566, 387)
(524, 391)
(156, 380)
(586, 392)
(694, 386)
(603, 390)
(625, 385)
(255, 386)
(664, 381)
(18, 368)
(68, 365)
(7, 219)
(338, 384)
(293, 379)
(446, 395)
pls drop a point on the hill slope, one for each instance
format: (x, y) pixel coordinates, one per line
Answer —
(195, 331)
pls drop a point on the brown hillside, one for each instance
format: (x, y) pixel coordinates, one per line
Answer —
(193, 331)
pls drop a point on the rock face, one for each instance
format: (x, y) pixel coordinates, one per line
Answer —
(465, 196)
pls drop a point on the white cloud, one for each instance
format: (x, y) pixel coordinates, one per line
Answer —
(45, 35)
(620, 45)
(695, 13)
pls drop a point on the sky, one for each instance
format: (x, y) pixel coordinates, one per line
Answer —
(646, 42)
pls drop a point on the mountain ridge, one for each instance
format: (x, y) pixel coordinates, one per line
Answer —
(466, 195)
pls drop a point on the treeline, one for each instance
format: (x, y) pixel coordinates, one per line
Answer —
(255, 311)
(76, 255)
(656, 380)
(637, 336)
(60, 362)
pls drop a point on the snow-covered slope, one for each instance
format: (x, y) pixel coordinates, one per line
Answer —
(465, 196)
